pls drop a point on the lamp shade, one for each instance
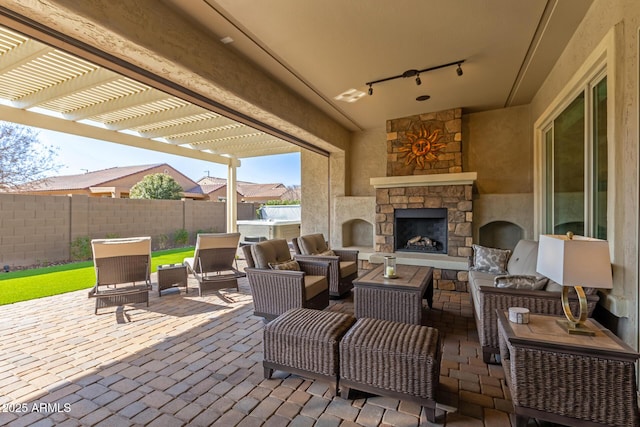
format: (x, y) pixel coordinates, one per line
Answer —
(580, 261)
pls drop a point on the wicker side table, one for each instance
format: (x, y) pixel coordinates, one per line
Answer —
(171, 275)
(392, 359)
(305, 342)
(568, 379)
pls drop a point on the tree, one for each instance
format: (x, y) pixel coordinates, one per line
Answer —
(156, 186)
(23, 158)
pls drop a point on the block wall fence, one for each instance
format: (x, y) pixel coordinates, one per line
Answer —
(40, 229)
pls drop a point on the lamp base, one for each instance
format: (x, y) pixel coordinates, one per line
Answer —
(575, 329)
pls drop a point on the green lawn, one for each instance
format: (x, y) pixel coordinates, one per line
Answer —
(42, 282)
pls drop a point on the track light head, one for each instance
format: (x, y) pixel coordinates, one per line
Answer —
(459, 70)
(418, 81)
(370, 90)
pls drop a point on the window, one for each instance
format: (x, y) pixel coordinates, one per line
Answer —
(575, 165)
(574, 179)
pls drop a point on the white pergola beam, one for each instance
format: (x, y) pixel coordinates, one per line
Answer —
(116, 104)
(37, 120)
(23, 54)
(152, 121)
(192, 127)
(64, 89)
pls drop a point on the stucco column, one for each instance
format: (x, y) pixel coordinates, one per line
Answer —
(232, 198)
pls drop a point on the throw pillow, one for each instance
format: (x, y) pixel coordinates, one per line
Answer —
(526, 282)
(327, 253)
(286, 265)
(491, 260)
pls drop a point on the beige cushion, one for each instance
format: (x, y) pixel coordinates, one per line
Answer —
(347, 268)
(327, 253)
(480, 278)
(524, 259)
(314, 285)
(286, 265)
(312, 244)
(270, 251)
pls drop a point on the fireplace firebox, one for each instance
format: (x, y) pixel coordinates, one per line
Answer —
(421, 230)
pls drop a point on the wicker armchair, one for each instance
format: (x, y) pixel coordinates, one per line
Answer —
(343, 264)
(275, 284)
(123, 268)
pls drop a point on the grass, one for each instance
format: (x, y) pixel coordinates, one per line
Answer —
(25, 285)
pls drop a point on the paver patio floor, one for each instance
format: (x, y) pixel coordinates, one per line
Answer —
(189, 360)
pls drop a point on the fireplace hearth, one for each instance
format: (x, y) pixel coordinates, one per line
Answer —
(421, 230)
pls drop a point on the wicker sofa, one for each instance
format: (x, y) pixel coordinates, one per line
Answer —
(491, 289)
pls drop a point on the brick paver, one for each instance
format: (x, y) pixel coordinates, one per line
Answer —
(189, 360)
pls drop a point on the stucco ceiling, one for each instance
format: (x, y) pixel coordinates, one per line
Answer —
(321, 49)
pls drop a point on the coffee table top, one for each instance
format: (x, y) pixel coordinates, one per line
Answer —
(410, 277)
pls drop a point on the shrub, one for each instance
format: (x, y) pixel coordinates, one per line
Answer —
(181, 237)
(81, 249)
(162, 241)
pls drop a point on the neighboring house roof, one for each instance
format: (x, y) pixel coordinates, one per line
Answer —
(100, 178)
(262, 190)
(210, 184)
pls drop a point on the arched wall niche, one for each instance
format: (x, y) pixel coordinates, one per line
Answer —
(500, 234)
(357, 232)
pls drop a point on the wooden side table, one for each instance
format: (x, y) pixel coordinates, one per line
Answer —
(568, 379)
(171, 275)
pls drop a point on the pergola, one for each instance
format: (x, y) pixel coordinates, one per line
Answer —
(48, 88)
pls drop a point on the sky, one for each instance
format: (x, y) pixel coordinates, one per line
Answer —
(78, 154)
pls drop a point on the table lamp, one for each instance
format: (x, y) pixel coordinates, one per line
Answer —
(575, 261)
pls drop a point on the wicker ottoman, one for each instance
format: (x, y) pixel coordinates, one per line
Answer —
(393, 359)
(305, 342)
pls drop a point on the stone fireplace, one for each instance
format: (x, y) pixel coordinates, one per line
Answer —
(424, 206)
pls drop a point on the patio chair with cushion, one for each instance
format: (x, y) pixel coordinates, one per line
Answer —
(279, 283)
(343, 264)
(123, 268)
(214, 261)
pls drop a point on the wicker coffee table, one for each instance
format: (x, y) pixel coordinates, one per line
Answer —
(399, 299)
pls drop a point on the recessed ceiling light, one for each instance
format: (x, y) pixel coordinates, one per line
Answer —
(423, 98)
(226, 40)
(351, 95)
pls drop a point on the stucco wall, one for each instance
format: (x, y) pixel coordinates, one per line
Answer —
(497, 145)
(315, 194)
(368, 159)
(40, 229)
(623, 16)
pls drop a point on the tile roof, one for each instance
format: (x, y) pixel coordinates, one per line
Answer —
(245, 188)
(86, 180)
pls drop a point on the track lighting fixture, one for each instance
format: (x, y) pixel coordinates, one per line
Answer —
(416, 73)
